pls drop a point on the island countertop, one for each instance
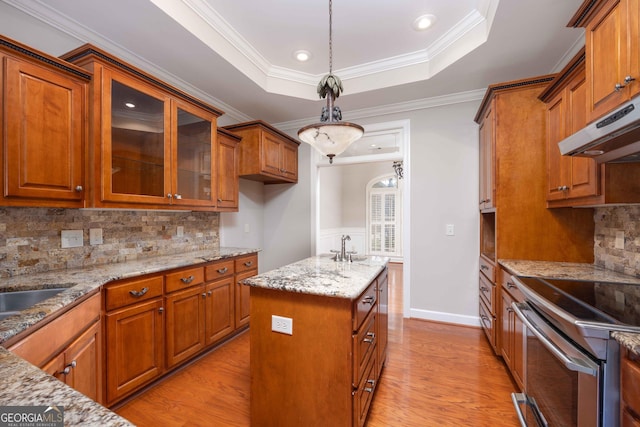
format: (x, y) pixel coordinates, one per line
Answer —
(321, 275)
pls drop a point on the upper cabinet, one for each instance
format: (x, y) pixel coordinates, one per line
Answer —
(228, 165)
(150, 144)
(487, 158)
(44, 103)
(612, 53)
(266, 154)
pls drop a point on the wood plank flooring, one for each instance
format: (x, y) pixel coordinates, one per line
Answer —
(436, 375)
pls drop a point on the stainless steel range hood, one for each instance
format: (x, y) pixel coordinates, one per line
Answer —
(614, 138)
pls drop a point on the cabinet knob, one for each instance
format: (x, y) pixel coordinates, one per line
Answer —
(79, 188)
(209, 293)
(161, 310)
(204, 295)
(177, 196)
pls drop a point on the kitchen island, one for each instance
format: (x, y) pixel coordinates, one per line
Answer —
(318, 341)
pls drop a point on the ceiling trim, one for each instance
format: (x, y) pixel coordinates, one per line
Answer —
(205, 23)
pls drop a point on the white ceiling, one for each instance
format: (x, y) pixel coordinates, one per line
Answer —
(238, 55)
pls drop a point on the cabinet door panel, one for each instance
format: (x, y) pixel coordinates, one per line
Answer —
(227, 172)
(271, 154)
(185, 324)
(290, 161)
(243, 294)
(607, 61)
(43, 129)
(135, 350)
(219, 310)
(559, 166)
(84, 357)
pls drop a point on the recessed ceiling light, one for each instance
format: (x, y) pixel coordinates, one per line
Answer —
(302, 55)
(423, 22)
(130, 105)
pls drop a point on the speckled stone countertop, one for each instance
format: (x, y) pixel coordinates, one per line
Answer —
(579, 271)
(21, 383)
(321, 275)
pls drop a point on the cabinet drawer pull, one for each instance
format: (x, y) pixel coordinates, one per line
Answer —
(187, 280)
(248, 263)
(67, 369)
(369, 299)
(223, 270)
(204, 295)
(372, 383)
(483, 317)
(483, 267)
(139, 293)
(219, 200)
(510, 285)
(484, 289)
(369, 337)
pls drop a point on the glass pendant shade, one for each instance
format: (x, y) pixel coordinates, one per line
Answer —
(330, 138)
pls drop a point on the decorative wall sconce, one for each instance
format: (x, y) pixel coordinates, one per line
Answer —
(397, 167)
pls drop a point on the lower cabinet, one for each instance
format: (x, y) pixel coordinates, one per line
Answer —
(69, 347)
(382, 318)
(629, 389)
(512, 330)
(246, 267)
(158, 322)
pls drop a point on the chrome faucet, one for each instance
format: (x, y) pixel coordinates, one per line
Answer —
(343, 251)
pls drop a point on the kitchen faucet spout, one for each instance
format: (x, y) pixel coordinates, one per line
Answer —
(343, 251)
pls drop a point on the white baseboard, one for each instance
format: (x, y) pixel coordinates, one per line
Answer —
(438, 316)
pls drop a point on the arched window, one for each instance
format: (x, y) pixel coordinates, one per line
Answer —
(384, 216)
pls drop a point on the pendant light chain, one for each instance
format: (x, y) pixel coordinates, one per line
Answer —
(330, 38)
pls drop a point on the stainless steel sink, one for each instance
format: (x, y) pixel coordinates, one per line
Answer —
(13, 302)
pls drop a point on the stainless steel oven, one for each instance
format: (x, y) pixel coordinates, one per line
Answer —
(571, 362)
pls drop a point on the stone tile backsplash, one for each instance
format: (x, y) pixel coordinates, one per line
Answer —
(30, 237)
(609, 220)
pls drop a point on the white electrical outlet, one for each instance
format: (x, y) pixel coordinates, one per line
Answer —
(619, 243)
(180, 231)
(71, 238)
(284, 325)
(450, 230)
(95, 236)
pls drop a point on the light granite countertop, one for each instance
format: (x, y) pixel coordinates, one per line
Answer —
(578, 271)
(21, 383)
(321, 275)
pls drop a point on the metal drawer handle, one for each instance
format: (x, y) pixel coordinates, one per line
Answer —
(369, 299)
(223, 270)
(484, 289)
(510, 285)
(139, 293)
(187, 280)
(483, 317)
(483, 267)
(67, 369)
(369, 337)
(248, 263)
(372, 383)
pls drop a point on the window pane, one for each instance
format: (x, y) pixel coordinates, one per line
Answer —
(376, 207)
(194, 156)
(376, 237)
(390, 207)
(390, 238)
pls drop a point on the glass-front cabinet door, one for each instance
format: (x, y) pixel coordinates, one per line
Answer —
(136, 127)
(193, 156)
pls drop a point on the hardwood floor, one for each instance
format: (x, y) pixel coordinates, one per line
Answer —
(436, 375)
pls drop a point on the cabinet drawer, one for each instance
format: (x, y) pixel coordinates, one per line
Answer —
(488, 268)
(246, 263)
(365, 342)
(122, 294)
(219, 270)
(630, 383)
(507, 284)
(364, 304)
(184, 278)
(364, 394)
(487, 293)
(487, 322)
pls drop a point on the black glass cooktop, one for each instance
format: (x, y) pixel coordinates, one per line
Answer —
(602, 302)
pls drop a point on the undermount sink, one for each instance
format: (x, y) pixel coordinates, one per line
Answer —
(13, 302)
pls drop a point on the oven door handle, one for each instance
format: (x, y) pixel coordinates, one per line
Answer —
(519, 399)
(575, 362)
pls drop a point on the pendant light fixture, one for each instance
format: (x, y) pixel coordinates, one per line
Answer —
(331, 136)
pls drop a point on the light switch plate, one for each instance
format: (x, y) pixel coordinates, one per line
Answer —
(71, 238)
(95, 236)
(450, 231)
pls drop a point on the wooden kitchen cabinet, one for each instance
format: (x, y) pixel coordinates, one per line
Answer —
(629, 388)
(512, 329)
(487, 159)
(185, 317)
(519, 225)
(228, 167)
(150, 144)
(134, 335)
(612, 53)
(69, 347)
(266, 154)
(44, 105)
(382, 319)
(219, 310)
(246, 267)
(580, 181)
